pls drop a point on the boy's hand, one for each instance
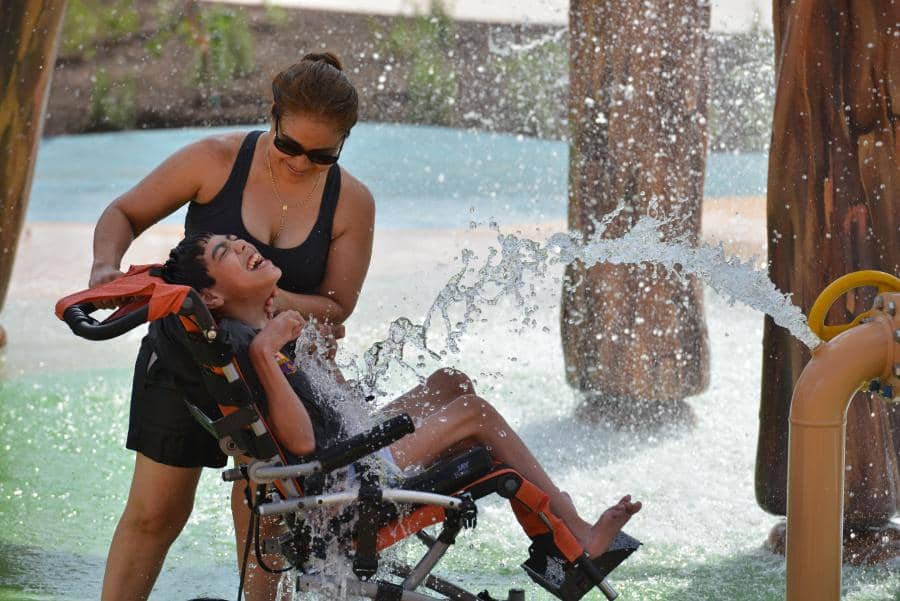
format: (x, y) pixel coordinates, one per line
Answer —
(283, 328)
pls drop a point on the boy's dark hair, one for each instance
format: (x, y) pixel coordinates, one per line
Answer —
(186, 266)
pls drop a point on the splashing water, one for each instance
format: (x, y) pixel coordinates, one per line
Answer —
(381, 355)
(512, 48)
(735, 280)
(312, 349)
(507, 272)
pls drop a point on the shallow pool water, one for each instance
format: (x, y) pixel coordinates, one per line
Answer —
(421, 176)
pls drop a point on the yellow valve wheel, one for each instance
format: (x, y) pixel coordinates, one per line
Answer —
(885, 282)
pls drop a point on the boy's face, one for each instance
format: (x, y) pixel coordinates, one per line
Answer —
(239, 270)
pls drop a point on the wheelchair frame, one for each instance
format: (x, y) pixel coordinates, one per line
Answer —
(556, 560)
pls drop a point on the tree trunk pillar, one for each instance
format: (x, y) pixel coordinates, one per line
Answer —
(833, 192)
(634, 336)
(29, 39)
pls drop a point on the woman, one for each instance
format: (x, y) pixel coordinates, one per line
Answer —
(283, 189)
(235, 284)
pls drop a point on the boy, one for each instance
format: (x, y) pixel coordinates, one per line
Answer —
(236, 282)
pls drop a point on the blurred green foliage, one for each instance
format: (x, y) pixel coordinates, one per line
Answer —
(425, 44)
(113, 103)
(276, 16)
(433, 71)
(219, 37)
(92, 23)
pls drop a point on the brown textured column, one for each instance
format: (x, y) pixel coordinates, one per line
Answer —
(635, 336)
(833, 201)
(29, 35)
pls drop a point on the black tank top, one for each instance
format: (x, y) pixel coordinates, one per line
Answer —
(302, 267)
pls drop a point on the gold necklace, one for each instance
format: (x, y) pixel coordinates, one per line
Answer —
(284, 206)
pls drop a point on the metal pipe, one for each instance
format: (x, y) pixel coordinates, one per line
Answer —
(418, 574)
(266, 472)
(307, 583)
(390, 495)
(818, 422)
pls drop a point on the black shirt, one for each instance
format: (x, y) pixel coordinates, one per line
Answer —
(302, 267)
(182, 357)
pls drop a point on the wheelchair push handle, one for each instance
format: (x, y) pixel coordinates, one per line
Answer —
(366, 443)
(78, 318)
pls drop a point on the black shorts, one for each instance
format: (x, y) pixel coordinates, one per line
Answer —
(160, 425)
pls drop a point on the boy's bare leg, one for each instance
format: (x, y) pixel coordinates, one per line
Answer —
(440, 388)
(159, 504)
(470, 420)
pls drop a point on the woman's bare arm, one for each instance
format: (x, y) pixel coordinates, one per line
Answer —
(192, 172)
(309, 305)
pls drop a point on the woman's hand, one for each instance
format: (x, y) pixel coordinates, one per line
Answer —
(329, 335)
(283, 328)
(338, 330)
(102, 273)
(323, 343)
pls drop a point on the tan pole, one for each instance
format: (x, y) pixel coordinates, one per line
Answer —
(816, 452)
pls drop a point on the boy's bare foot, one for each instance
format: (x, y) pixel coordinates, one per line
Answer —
(610, 523)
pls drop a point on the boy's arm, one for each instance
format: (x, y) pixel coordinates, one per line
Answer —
(288, 417)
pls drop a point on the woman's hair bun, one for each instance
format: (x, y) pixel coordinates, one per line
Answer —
(327, 57)
(316, 86)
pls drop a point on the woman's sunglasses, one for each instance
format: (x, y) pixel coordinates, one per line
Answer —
(293, 148)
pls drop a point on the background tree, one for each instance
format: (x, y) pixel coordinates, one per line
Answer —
(833, 192)
(29, 36)
(635, 336)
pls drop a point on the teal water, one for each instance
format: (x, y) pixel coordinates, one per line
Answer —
(421, 177)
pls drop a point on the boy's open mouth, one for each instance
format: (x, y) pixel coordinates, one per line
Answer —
(255, 262)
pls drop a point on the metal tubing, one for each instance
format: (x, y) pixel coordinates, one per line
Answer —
(421, 498)
(597, 578)
(311, 584)
(419, 573)
(265, 473)
(303, 503)
(390, 495)
(816, 453)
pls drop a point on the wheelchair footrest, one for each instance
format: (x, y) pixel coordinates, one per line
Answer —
(549, 568)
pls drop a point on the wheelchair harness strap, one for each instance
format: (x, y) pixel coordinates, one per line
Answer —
(365, 562)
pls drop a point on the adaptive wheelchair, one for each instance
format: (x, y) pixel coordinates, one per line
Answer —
(368, 514)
